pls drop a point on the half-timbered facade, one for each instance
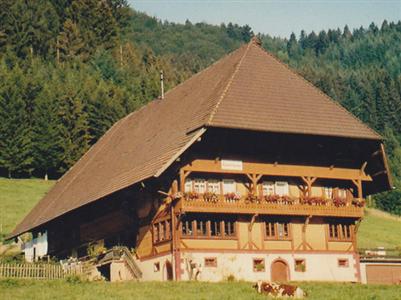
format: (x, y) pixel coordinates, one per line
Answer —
(244, 171)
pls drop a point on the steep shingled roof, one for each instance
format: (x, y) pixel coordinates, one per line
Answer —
(247, 89)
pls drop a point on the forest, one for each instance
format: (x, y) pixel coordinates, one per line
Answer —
(70, 69)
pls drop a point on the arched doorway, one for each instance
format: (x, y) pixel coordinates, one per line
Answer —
(168, 271)
(279, 271)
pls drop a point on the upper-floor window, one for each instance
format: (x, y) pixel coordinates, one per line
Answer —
(229, 227)
(277, 229)
(342, 193)
(340, 231)
(188, 185)
(267, 188)
(215, 226)
(213, 186)
(200, 185)
(201, 228)
(187, 227)
(281, 188)
(229, 186)
(161, 231)
(328, 192)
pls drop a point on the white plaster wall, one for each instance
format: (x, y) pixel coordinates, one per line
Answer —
(319, 267)
(147, 268)
(363, 273)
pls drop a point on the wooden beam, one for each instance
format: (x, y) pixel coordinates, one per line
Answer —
(386, 165)
(252, 222)
(200, 165)
(358, 184)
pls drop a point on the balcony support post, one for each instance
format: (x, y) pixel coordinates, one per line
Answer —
(183, 175)
(254, 179)
(358, 184)
(309, 182)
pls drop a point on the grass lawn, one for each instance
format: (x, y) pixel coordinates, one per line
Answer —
(379, 230)
(17, 197)
(24, 289)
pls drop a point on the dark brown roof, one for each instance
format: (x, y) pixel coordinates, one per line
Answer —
(247, 89)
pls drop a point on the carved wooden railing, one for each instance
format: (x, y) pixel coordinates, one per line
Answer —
(273, 205)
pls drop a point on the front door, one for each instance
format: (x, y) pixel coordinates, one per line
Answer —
(280, 271)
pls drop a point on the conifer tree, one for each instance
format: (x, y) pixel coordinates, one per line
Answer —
(46, 139)
(15, 141)
(70, 42)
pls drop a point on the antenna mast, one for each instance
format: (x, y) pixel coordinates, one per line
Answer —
(162, 84)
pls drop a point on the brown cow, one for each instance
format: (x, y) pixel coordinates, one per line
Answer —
(279, 290)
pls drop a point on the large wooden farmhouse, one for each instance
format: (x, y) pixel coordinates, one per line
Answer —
(244, 171)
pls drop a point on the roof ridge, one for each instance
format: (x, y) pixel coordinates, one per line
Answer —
(228, 85)
(202, 71)
(319, 91)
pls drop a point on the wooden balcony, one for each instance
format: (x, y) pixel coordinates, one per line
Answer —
(281, 206)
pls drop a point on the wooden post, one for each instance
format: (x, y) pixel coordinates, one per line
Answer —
(358, 184)
(309, 182)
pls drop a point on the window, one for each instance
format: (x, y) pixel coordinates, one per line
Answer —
(229, 186)
(258, 265)
(156, 233)
(342, 193)
(229, 228)
(211, 262)
(267, 188)
(338, 231)
(213, 186)
(277, 229)
(343, 262)
(281, 188)
(215, 228)
(333, 231)
(201, 229)
(187, 227)
(188, 185)
(156, 267)
(299, 265)
(345, 231)
(270, 229)
(161, 231)
(282, 230)
(200, 186)
(328, 192)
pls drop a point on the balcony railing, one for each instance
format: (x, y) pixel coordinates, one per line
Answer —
(272, 204)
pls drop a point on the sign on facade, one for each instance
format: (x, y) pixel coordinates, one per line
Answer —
(231, 165)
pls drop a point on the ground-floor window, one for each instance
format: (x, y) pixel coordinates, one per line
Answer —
(211, 262)
(343, 262)
(258, 265)
(300, 265)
